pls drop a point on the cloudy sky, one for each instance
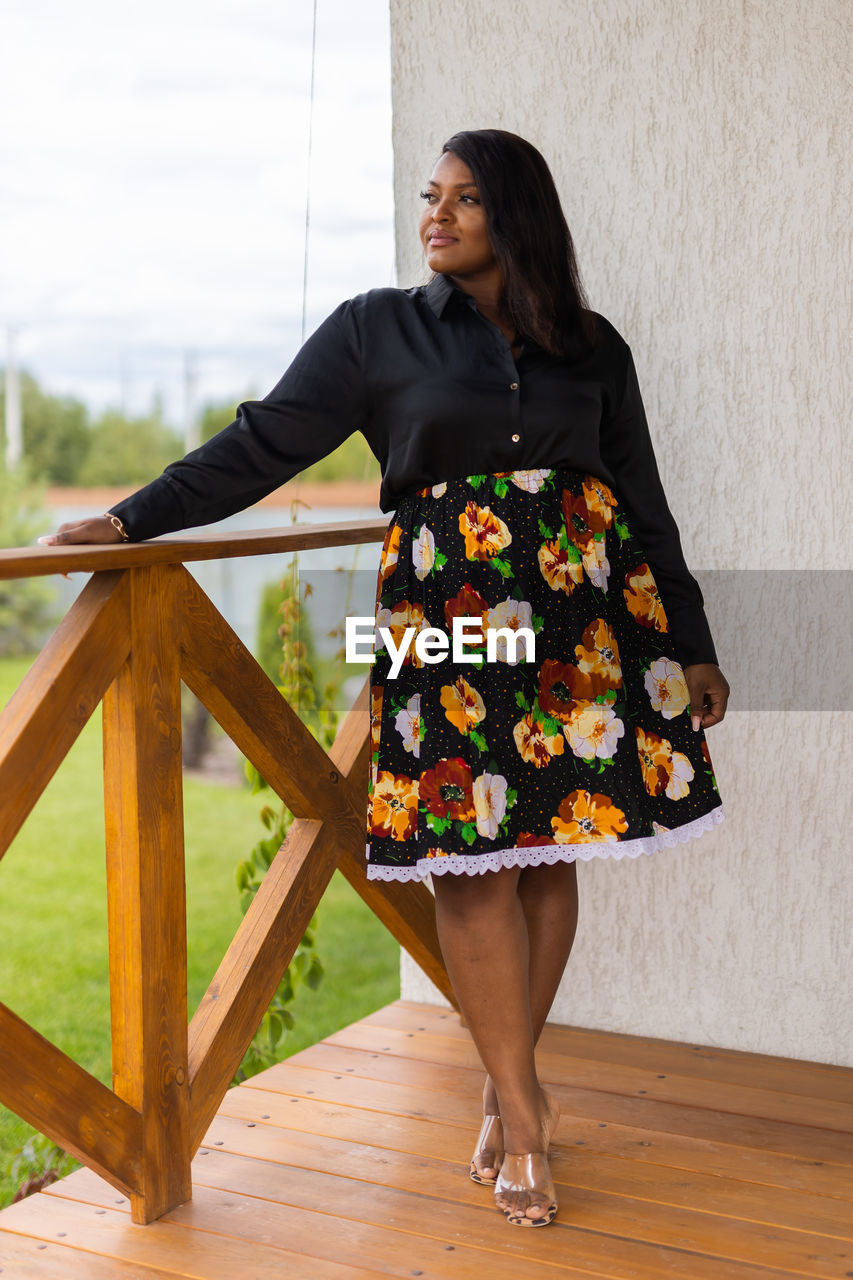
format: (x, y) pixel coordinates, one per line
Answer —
(153, 177)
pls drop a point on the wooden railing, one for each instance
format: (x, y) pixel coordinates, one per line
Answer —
(140, 626)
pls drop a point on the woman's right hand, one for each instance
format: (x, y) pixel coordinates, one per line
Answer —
(95, 529)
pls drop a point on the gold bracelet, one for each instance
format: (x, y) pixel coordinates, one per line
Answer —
(117, 524)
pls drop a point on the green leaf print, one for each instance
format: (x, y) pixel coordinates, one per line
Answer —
(538, 622)
(439, 562)
(436, 824)
(521, 700)
(503, 568)
(552, 726)
(573, 556)
(478, 740)
(621, 529)
(475, 481)
(468, 831)
(501, 487)
(544, 530)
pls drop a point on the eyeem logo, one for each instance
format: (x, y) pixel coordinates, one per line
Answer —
(433, 645)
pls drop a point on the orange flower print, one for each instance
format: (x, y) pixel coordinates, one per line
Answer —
(395, 806)
(467, 603)
(527, 838)
(643, 599)
(556, 698)
(598, 653)
(593, 729)
(485, 533)
(667, 688)
(583, 817)
(665, 772)
(407, 722)
(557, 568)
(447, 790)
(582, 520)
(390, 552)
(462, 704)
(404, 614)
(489, 803)
(600, 499)
(376, 693)
(595, 562)
(561, 686)
(535, 746)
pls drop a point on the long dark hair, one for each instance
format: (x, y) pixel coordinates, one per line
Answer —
(543, 293)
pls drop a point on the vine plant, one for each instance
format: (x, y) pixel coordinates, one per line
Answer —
(298, 685)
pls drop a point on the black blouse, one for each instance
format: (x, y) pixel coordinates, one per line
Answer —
(435, 390)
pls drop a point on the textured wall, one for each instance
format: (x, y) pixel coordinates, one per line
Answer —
(700, 151)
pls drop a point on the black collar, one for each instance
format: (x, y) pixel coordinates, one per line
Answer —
(440, 290)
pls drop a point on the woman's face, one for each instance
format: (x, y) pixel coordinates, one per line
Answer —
(453, 223)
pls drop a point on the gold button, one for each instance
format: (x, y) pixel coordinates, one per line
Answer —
(513, 386)
(516, 437)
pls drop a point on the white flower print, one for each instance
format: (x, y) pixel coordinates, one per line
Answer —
(529, 481)
(407, 722)
(489, 803)
(511, 614)
(438, 490)
(596, 564)
(682, 771)
(667, 688)
(423, 552)
(594, 729)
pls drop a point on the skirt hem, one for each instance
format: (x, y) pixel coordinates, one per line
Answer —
(536, 855)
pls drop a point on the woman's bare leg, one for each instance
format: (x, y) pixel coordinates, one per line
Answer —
(549, 899)
(485, 943)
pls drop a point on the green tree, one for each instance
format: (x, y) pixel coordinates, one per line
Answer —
(353, 460)
(129, 450)
(56, 433)
(27, 605)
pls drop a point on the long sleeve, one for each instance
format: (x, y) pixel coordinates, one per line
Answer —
(318, 402)
(626, 448)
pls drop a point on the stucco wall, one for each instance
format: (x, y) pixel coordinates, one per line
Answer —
(700, 152)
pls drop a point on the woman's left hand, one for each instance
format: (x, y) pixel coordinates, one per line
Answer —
(709, 693)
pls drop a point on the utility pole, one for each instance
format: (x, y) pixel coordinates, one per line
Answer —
(192, 426)
(14, 432)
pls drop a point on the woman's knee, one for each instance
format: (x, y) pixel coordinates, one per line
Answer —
(461, 895)
(559, 879)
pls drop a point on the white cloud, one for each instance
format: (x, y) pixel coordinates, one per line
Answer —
(154, 168)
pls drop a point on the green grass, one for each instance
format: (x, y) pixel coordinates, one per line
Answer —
(53, 935)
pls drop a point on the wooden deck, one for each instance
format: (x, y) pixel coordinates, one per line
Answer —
(350, 1160)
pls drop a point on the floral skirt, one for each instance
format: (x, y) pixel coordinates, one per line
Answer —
(558, 727)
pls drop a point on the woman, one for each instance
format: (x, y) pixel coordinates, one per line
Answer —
(518, 464)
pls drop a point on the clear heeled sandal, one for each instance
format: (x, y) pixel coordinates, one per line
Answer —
(527, 1175)
(490, 1142)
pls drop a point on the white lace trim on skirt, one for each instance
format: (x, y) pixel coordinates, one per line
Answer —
(533, 855)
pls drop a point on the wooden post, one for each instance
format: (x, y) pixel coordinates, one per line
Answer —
(146, 891)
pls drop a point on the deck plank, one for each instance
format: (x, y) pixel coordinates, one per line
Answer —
(763, 1070)
(563, 1069)
(201, 1254)
(572, 1169)
(415, 1233)
(349, 1160)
